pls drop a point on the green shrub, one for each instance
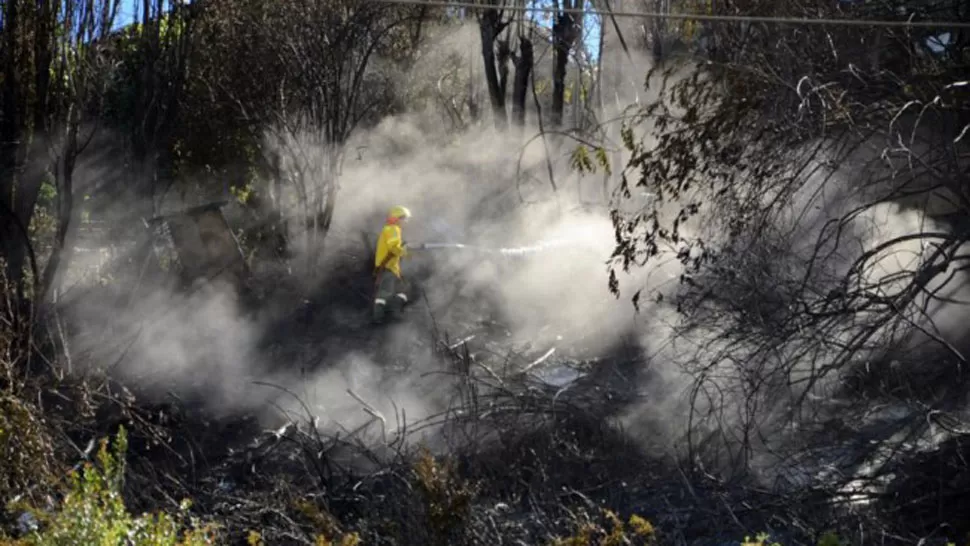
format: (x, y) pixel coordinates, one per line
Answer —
(26, 452)
(447, 496)
(325, 525)
(760, 540)
(616, 532)
(93, 512)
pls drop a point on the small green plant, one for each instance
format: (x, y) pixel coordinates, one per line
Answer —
(242, 194)
(829, 538)
(616, 532)
(325, 526)
(93, 511)
(254, 538)
(447, 495)
(584, 163)
(26, 450)
(761, 539)
(351, 539)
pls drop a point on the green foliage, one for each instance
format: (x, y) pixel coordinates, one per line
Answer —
(603, 160)
(543, 87)
(167, 27)
(615, 532)
(48, 191)
(43, 223)
(93, 511)
(725, 134)
(761, 539)
(255, 538)
(690, 28)
(447, 495)
(829, 539)
(242, 194)
(131, 97)
(324, 523)
(26, 450)
(27, 461)
(42, 228)
(351, 539)
(583, 163)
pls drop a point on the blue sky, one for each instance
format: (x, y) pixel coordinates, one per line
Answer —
(592, 25)
(130, 10)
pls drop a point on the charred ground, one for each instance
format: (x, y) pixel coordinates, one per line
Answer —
(777, 200)
(528, 457)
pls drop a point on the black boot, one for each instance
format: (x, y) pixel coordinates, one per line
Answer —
(397, 306)
(377, 316)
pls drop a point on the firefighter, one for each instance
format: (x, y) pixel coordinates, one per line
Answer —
(390, 287)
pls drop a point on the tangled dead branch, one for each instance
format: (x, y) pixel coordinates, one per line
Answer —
(812, 187)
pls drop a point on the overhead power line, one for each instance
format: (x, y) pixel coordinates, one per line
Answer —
(690, 16)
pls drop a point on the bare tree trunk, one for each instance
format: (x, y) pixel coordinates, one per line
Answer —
(62, 251)
(520, 88)
(504, 54)
(23, 99)
(578, 81)
(12, 241)
(474, 113)
(564, 33)
(14, 249)
(43, 98)
(278, 221)
(158, 90)
(659, 31)
(323, 207)
(490, 26)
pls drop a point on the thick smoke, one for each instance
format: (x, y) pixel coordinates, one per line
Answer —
(488, 189)
(201, 344)
(481, 188)
(761, 373)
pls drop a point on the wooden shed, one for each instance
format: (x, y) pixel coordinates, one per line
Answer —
(199, 246)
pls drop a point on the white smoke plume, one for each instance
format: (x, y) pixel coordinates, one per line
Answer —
(469, 189)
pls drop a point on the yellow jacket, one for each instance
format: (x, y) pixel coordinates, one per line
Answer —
(390, 249)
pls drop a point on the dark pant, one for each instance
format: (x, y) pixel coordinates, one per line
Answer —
(390, 294)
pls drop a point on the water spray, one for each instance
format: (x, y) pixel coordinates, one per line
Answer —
(542, 246)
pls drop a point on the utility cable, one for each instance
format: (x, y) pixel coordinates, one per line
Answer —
(689, 16)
